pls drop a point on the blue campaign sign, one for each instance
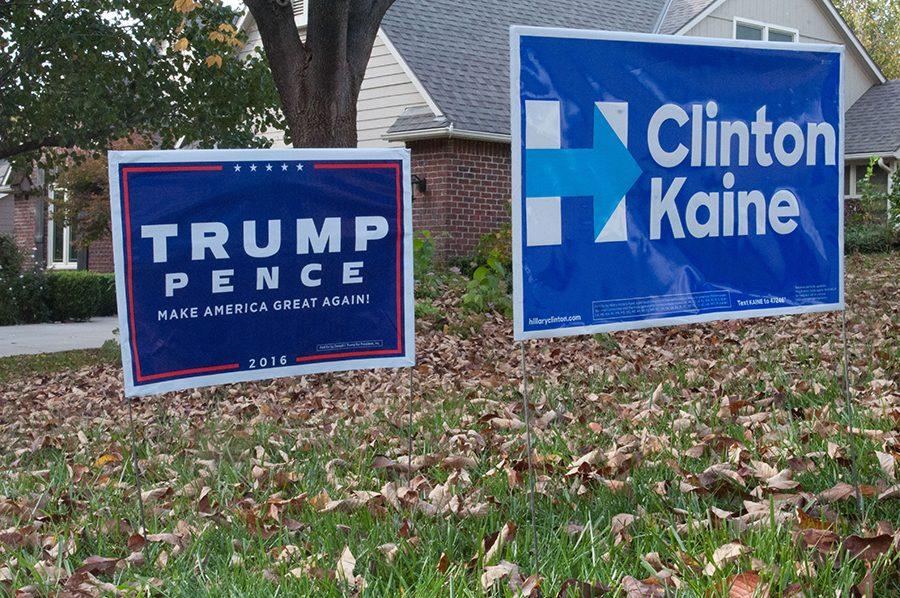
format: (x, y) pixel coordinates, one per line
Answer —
(236, 265)
(664, 180)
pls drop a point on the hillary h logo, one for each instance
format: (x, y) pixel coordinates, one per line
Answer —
(605, 172)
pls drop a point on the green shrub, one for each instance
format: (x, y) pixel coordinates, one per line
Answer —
(23, 294)
(494, 246)
(863, 238)
(80, 295)
(11, 259)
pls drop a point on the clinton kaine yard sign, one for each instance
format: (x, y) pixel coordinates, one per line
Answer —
(237, 265)
(664, 180)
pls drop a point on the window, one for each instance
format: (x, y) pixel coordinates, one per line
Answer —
(756, 31)
(62, 253)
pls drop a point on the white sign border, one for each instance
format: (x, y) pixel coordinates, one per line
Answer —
(516, 32)
(117, 158)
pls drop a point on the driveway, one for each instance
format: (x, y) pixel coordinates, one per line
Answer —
(30, 339)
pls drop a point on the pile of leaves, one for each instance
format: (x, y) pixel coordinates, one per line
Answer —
(706, 460)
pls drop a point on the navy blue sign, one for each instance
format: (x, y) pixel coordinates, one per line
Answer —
(664, 180)
(251, 264)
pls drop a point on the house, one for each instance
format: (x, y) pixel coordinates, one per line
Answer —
(27, 216)
(438, 83)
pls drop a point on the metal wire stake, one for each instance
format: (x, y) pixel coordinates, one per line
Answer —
(409, 432)
(850, 418)
(134, 465)
(534, 546)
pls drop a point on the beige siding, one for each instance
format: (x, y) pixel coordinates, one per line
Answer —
(6, 214)
(808, 17)
(386, 91)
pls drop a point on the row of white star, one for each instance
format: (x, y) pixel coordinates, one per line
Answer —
(284, 167)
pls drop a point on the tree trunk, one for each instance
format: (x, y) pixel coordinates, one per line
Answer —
(319, 80)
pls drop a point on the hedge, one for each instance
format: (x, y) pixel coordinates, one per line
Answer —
(871, 239)
(80, 295)
(33, 296)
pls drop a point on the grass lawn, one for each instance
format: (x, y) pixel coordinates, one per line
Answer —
(700, 460)
(20, 366)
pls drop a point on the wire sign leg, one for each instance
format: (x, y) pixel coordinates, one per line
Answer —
(528, 445)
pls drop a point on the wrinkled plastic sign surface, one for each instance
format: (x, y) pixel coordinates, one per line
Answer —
(663, 180)
(237, 265)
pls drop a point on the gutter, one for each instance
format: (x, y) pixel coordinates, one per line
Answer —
(448, 132)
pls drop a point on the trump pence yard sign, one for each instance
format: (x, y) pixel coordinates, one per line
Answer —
(250, 264)
(661, 180)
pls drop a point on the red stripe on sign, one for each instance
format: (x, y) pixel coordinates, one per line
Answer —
(126, 201)
(399, 223)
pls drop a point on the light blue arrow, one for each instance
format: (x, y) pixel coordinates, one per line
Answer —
(605, 172)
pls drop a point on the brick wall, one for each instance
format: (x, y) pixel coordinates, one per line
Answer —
(24, 227)
(100, 255)
(468, 191)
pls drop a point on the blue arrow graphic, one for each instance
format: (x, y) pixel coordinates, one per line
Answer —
(605, 172)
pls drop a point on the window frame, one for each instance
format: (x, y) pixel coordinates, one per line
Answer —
(69, 261)
(765, 27)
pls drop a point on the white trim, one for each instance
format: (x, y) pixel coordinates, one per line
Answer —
(699, 17)
(869, 155)
(117, 158)
(765, 27)
(662, 16)
(516, 33)
(448, 132)
(681, 40)
(409, 73)
(830, 9)
(67, 263)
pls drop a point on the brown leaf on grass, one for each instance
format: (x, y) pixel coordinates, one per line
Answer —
(458, 462)
(725, 554)
(504, 570)
(806, 521)
(635, 588)
(156, 494)
(98, 565)
(892, 492)
(867, 549)
(203, 504)
(747, 585)
(888, 464)
(844, 491)
(344, 569)
(866, 587)
(822, 540)
(136, 542)
(443, 563)
(357, 500)
(107, 459)
(493, 544)
(530, 588)
(389, 551)
(51, 574)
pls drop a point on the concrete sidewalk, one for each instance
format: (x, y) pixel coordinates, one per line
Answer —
(30, 339)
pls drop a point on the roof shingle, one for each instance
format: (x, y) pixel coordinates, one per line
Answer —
(459, 49)
(872, 125)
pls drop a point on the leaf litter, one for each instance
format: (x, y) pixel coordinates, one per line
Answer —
(704, 443)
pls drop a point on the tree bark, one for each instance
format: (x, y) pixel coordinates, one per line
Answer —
(319, 80)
